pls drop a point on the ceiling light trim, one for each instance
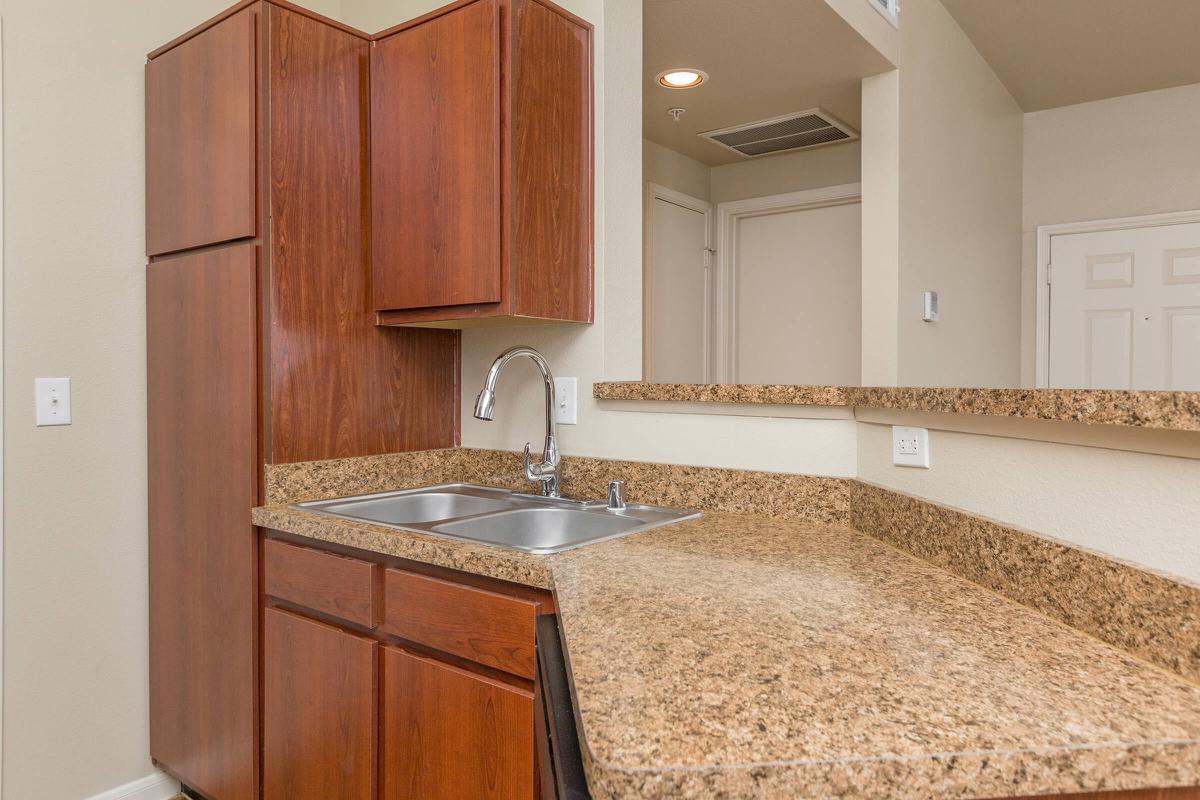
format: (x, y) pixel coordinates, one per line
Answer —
(701, 78)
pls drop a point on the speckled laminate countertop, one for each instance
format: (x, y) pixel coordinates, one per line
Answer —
(747, 657)
(1136, 409)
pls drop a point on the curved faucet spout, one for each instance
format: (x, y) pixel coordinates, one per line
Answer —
(546, 471)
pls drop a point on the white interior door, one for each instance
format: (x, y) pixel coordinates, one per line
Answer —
(677, 289)
(798, 287)
(1125, 309)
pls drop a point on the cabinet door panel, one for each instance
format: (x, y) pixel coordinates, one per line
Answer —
(200, 139)
(338, 385)
(319, 713)
(200, 374)
(435, 161)
(450, 734)
(551, 85)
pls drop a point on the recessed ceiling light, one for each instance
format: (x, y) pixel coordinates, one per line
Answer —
(682, 78)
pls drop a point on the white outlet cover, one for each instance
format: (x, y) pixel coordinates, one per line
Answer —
(566, 401)
(52, 401)
(910, 447)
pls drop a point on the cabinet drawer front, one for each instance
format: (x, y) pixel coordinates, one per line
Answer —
(492, 629)
(332, 584)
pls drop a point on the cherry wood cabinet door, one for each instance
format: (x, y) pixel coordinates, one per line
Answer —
(338, 385)
(200, 138)
(435, 161)
(203, 479)
(550, 81)
(449, 734)
(319, 710)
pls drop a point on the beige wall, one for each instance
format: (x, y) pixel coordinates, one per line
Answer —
(870, 25)
(788, 172)
(881, 229)
(756, 177)
(960, 200)
(1122, 157)
(674, 170)
(373, 16)
(75, 615)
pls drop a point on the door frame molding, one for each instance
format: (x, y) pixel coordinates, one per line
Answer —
(1045, 235)
(655, 191)
(729, 214)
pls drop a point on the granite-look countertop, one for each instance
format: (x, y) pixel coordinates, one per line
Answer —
(1137, 409)
(747, 657)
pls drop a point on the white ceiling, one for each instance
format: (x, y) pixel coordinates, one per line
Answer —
(1052, 53)
(764, 58)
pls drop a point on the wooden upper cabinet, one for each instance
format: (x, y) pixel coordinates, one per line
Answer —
(435, 106)
(337, 384)
(200, 138)
(481, 167)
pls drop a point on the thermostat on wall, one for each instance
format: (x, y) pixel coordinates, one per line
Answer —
(930, 311)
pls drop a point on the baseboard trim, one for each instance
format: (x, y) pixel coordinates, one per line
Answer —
(157, 786)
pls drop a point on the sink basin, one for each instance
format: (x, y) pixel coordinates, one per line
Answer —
(409, 508)
(544, 530)
(499, 517)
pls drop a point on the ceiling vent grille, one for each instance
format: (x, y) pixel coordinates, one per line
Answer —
(811, 128)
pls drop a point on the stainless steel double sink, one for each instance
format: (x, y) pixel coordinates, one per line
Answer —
(499, 517)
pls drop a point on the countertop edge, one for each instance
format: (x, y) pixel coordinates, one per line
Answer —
(985, 774)
(1137, 409)
(489, 562)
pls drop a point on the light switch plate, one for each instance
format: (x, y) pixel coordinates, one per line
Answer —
(910, 447)
(52, 401)
(566, 401)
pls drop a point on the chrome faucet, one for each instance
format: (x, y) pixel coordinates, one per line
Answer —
(546, 471)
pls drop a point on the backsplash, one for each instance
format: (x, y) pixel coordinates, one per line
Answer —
(1153, 616)
(774, 494)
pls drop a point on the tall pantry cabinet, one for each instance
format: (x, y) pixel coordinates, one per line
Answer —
(262, 345)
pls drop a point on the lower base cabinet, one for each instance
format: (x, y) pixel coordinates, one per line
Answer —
(381, 680)
(449, 733)
(319, 710)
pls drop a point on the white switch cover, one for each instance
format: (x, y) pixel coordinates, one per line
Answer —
(910, 447)
(566, 401)
(52, 401)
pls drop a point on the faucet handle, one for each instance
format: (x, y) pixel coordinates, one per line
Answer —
(535, 472)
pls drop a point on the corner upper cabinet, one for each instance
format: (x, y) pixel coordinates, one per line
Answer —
(481, 167)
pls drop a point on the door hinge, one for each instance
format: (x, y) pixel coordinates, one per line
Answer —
(708, 257)
(1049, 274)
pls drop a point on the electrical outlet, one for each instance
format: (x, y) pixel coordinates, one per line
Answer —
(910, 447)
(52, 401)
(566, 401)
